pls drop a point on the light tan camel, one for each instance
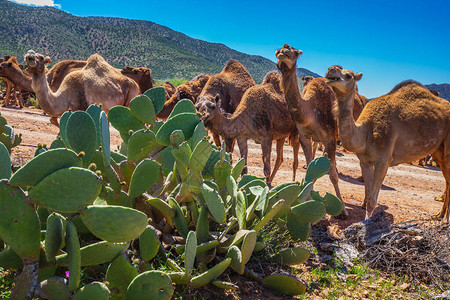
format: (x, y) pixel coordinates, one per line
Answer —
(262, 115)
(310, 110)
(400, 127)
(97, 82)
(230, 85)
(188, 90)
(142, 76)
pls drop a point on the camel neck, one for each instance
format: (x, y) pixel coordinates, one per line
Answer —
(45, 97)
(351, 134)
(21, 79)
(230, 126)
(289, 82)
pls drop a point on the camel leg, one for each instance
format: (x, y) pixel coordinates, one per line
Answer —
(330, 148)
(295, 148)
(367, 173)
(243, 149)
(216, 139)
(266, 146)
(379, 172)
(229, 146)
(279, 160)
(54, 121)
(444, 162)
(20, 98)
(8, 92)
(306, 145)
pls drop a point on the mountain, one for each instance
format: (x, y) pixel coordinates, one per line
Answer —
(443, 89)
(122, 42)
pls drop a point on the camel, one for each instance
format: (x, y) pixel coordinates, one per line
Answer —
(400, 127)
(306, 80)
(142, 76)
(11, 86)
(311, 111)
(188, 90)
(97, 82)
(230, 85)
(261, 115)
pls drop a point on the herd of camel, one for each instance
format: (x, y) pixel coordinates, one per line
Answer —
(402, 126)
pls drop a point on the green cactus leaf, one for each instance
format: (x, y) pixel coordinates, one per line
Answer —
(114, 223)
(118, 157)
(222, 170)
(54, 235)
(210, 275)
(148, 244)
(214, 203)
(238, 168)
(241, 207)
(63, 126)
(262, 201)
(200, 156)
(246, 179)
(119, 275)
(190, 251)
(248, 244)
(58, 143)
(269, 215)
(95, 254)
(297, 228)
(141, 144)
(199, 134)
(285, 284)
(142, 109)
(317, 168)
(176, 138)
(19, 223)
(292, 256)
(234, 240)
(183, 106)
(144, 176)
(333, 204)
(94, 111)
(309, 211)
(94, 290)
(202, 228)
(67, 190)
(105, 138)
(82, 134)
(167, 160)
(259, 246)
(150, 285)
(158, 97)
(179, 218)
(164, 208)
(231, 187)
(225, 285)
(289, 193)
(55, 288)
(185, 121)
(73, 256)
(179, 278)
(5, 162)
(10, 260)
(236, 259)
(305, 193)
(43, 165)
(123, 120)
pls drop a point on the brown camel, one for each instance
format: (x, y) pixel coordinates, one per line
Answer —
(143, 77)
(11, 86)
(400, 127)
(310, 110)
(230, 85)
(188, 90)
(97, 82)
(262, 115)
(306, 80)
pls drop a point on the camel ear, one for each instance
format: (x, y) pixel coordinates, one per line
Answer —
(9, 64)
(358, 76)
(47, 60)
(298, 52)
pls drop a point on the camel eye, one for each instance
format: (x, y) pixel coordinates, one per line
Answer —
(348, 76)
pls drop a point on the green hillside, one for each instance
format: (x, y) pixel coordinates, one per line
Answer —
(122, 42)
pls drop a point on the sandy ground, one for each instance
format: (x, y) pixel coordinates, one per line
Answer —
(407, 193)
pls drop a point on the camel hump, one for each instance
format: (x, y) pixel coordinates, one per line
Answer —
(95, 60)
(201, 77)
(235, 67)
(273, 77)
(406, 83)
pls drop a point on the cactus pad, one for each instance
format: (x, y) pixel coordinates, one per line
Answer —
(185, 121)
(82, 134)
(150, 285)
(144, 176)
(214, 203)
(119, 275)
(285, 284)
(309, 211)
(148, 244)
(142, 109)
(292, 256)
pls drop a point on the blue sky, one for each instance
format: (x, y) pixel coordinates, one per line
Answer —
(388, 41)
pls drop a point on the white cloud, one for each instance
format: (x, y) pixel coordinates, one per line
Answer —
(38, 3)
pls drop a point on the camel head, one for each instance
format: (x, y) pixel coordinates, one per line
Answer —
(137, 74)
(287, 58)
(306, 80)
(342, 81)
(208, 108)
(4, 67)
(36, 62)
(273, 78)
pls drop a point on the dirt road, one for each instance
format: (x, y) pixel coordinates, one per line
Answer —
(407, 193)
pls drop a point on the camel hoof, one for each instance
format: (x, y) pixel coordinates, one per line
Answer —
(343, 215)
(438, 216)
